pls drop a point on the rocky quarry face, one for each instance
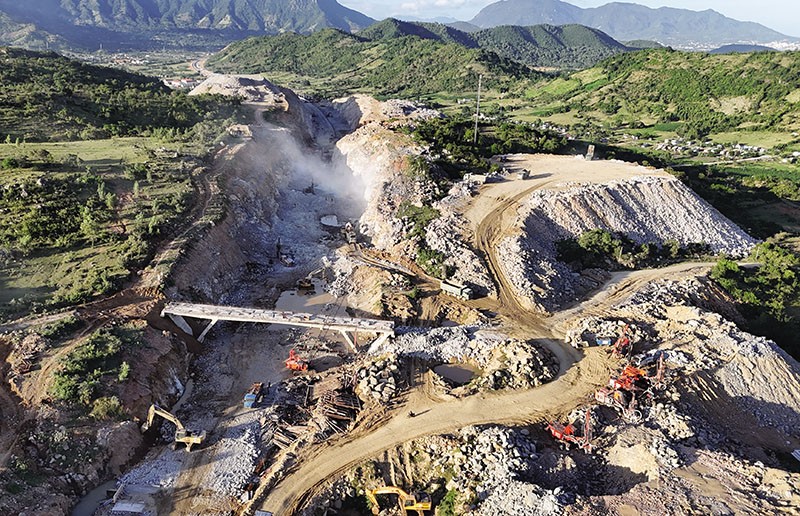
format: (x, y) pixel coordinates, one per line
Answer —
(646, 209)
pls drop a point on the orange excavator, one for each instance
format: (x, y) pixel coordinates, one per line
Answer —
(295, 363)
(419, 502)
(566, 433)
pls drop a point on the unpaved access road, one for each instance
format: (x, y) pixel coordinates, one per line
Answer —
(522, 407)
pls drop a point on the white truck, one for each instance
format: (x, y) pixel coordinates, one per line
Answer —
(459, 291)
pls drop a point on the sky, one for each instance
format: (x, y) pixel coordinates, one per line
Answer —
(780, 15)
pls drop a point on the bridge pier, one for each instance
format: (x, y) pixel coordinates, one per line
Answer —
(181, 323)
(207, 329)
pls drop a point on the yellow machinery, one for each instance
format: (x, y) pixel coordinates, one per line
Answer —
(182, 435)
(419, 502)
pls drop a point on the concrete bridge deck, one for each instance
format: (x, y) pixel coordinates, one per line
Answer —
(177, 311)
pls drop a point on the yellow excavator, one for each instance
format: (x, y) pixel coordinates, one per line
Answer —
(419, 502)
(182, 435)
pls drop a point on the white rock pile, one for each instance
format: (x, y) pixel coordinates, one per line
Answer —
(587, 330)
(379, 380)
(646, 209)
(491, 461)
(235, 457)
(445, 235)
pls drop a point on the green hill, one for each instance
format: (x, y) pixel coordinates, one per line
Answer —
(694, 93)
(332, 62)
(567, 46)
(48, 97)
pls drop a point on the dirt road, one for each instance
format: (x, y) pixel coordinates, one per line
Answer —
(523, 407)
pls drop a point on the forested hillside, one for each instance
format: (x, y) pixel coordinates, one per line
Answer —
(699, 93)
(568, 46)
(49, 97)
(331, 62)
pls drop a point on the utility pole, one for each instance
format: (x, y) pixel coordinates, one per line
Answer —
(478, 109)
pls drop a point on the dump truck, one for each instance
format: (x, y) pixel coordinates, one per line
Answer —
(419, 502)
(182, 435)
(457, 290)
(253, 396)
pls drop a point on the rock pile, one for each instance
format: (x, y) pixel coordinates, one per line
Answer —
(235, 457)
(445, 235)
(646, 209)
(380, 379)
(666, 456)
(490, 462)
(161, 472)
(521, 365)
(506, 363)
(587, 330)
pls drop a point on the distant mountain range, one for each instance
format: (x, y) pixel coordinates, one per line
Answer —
(88, 23)
(115, 24)
(680, 28)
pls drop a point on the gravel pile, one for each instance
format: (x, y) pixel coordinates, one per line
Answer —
(235, 456)
(378, 380)
(646, 209)
(161, 471)
(444, 235)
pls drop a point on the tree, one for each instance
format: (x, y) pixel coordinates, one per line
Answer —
(90, 227)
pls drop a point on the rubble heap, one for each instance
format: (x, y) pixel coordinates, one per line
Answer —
(491, 461)
(445, 235)
(379, 380)
(587, 330)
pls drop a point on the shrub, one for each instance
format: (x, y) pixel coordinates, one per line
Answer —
(107, 408)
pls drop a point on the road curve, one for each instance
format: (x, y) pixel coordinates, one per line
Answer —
(528, 406)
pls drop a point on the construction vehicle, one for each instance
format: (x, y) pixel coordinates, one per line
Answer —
(182, 435)
(419, 502)
(622, 346)
(632, 379)
(459, 291)
(254, 395)
(622, 401)
(295, 363)
(565, 434)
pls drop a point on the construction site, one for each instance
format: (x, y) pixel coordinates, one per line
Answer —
(301, 361)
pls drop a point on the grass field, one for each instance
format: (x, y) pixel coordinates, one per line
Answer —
(765, 139)
(148, 192)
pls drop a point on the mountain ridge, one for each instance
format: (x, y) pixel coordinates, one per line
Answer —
(681, 28)
(132, 22)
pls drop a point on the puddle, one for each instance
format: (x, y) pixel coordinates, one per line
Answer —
(316, 301)
(89, 503)
(459, 374)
